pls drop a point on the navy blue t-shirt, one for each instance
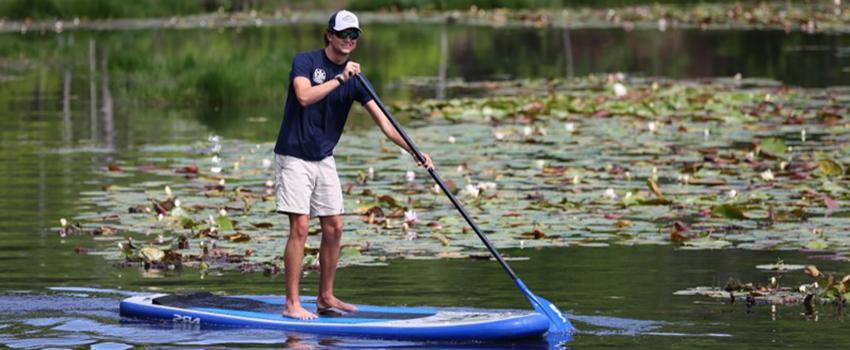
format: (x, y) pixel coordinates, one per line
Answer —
(312, 132)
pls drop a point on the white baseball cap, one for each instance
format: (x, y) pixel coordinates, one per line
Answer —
(342, 20)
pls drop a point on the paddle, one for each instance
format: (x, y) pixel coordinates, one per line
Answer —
(557, 322)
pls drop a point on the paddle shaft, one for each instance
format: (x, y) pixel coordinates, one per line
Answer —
(439, 180)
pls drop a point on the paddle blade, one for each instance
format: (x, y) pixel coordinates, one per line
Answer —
(558, 323)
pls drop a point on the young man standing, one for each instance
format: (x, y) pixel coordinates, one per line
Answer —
(322, 88)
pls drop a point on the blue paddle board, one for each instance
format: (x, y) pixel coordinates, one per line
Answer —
(206, 310)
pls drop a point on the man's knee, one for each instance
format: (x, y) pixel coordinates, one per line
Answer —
(299, 227)
(332, 230)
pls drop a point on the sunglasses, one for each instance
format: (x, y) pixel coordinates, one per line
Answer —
(353, 34)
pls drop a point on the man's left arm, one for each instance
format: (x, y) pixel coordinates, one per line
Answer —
(391, 133)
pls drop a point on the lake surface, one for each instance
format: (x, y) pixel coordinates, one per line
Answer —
(52, 148)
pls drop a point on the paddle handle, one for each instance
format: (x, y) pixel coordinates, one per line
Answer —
(436, 176)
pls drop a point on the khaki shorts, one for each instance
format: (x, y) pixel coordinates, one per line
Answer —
(306, 187)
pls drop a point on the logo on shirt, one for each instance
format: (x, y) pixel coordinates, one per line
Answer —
(319, 76)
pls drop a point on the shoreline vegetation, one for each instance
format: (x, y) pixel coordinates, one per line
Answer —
(815, 17)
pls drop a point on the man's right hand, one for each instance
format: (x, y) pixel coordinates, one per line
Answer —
(351, 69)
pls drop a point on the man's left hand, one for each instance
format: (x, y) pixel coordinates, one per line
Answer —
(428, 164)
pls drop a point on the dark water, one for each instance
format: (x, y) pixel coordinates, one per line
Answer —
(617, 296)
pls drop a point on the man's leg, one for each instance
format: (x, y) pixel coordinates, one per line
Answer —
(293, 257)
(328, 259)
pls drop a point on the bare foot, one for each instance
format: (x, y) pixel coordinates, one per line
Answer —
(322, 303)
(298, 312)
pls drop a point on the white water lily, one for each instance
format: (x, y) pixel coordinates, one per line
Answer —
(620, 89)
(628, 195)
(235, 166)
(409, 176)
(222, 212)
(803, 135)
(177, 203)
(732, 193)
(628, 175)
(221, 182)
(684, 178)
(526, 131)
(452, 139)
(460, 169)
(159, 217)
(767, 175)
(655, 86)
(576, 180)
(751, 156)
(471, 190)
(267, 163)
(370, 173)
(570, 127)
(63, 222)
(410, 216)
(610, 193)
(215, 159)
(540, 163)
(487, 186)
(269, 183)
(766, 97)
(782, 165)
(662, 24)
(214, 138)
(499, 135)
(652, 126)
(168, 191)
(211, 220)
(706, 133)
(436, 189)
(215, 169)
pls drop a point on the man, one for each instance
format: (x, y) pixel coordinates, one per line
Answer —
(321, 91)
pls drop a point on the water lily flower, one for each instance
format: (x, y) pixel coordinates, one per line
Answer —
(751, 156)
(222, 212)
(221, 182)
(159, 217)
(267, 163)
(526, 131)
(471, 190)
(211, 220)
(619, 89)
(215, 169)
(803, 135)
(767, 175)
(499, 135)
(655, 86)
(487, 186)
(610, 193)
(732, 193)
(436, 189)
(269, 183)
(738, 76)
(63, 222)
(706, 133)
(684, 178)
(570, 127)
(215, 159)
(628, 195)
(662, 24)
(235, 166)
(216, 148)
(409, 176)
(783, 165)
(452, 139)
(168, 191)
(214, 138)
(576, 180)
(540, 163)
(460, 169)
(370, 173)
(652, 126)
(411, 217)
(177, 203)
(766, 97)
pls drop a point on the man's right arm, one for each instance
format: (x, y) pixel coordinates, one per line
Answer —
(308, 94)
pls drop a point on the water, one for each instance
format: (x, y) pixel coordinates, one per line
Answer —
(617, 296)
